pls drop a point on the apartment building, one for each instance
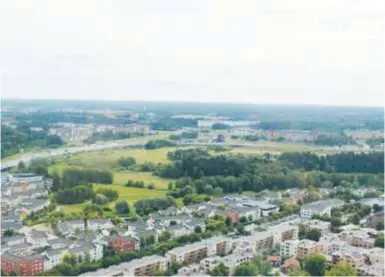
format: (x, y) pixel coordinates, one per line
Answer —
(358, 238)
(22, 265)
(354, 258)
(283, 232)
(320, 207)
(300, 248)
(322, 226)
(144, 266)
(197, 251)
(260, 241)
(230, 261)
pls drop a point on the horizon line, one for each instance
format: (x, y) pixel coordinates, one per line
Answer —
(189, 101)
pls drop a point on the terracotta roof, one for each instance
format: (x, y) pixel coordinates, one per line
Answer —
(291, 263)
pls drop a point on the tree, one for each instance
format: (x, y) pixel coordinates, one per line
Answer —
(246, 270)
(220, 270)
(315, 264)
(100, 199)
(355, 219)
(379, 242)
(9, 233)
(164, 236)
(341, 269)
(122, 207)
(66, 269)
(12, 273)
(198, 229)
(228, 221)
(380, 226)
(313, 234)
(377, 208)
(170, 186)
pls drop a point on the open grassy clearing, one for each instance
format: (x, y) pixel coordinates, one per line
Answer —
(109, 158)
(131, 195)
(121, 178)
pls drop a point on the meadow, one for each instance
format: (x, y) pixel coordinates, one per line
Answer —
(131, 195)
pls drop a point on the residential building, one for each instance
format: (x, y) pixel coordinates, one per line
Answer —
(354, 258)
(145, 266)
(322, 226)
(53, 257)
(370, 270)
(123, 243)
(320, 207)
(265, 209)
(37, 238)
(197, 251)
(95, 251)
(236, 212)
(231, 261)
(22, 265)
(358, 238)
(300, 248)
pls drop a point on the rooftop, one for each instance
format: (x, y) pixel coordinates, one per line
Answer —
(322, 205)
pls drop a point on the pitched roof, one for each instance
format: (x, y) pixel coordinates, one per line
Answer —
(291, 263)
(37, 234)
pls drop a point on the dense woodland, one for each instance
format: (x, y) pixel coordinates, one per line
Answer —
(22, 138)
(236, 173)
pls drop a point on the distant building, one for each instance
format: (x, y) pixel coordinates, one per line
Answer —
(23, 266)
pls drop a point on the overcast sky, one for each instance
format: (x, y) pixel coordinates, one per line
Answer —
(302, 51)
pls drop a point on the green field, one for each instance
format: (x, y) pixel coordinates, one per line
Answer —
(121, 178)
(131, 195)
(109, 158)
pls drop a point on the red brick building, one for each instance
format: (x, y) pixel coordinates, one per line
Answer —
(123, 243)
(22, 266)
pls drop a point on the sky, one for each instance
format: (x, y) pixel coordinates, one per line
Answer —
(328, 52)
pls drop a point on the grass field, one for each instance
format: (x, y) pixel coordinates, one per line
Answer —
(131, 195)
(121, 178)
(109, 158)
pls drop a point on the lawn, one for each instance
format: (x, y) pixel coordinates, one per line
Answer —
(131, 195)
(121, 178)
(109, 158)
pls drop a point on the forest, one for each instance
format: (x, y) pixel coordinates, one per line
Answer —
(207, 173)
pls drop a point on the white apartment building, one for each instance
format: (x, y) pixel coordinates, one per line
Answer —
(320, 207)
